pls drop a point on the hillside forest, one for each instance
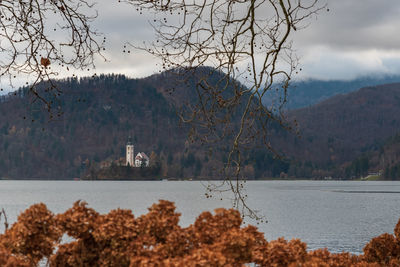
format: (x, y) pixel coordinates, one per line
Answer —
(347, 136)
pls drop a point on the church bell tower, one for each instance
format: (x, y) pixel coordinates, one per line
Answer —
(130, 152)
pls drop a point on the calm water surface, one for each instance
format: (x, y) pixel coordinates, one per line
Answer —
(333, 214)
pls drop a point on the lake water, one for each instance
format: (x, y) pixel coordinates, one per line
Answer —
(333, 214)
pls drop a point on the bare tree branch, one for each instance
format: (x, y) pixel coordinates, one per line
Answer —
(246, 41)
(39, 36)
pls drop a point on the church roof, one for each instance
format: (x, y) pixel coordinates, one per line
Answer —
(144, 155)
(141, 155)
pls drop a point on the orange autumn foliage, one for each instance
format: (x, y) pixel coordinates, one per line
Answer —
(156, 239)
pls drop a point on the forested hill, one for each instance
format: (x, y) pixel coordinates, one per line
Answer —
(338, 131)
(310, 92)
(100, 114)
(387, 158)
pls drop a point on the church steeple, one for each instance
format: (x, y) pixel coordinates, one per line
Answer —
(130, 153)
(129, 141)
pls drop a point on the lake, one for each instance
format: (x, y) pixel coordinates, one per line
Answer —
(339, 215)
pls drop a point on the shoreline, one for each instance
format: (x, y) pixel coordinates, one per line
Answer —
(190, 179)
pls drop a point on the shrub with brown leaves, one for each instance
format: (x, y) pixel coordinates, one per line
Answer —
(156, 239)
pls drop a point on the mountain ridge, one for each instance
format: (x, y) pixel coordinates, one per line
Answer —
(101, 112)
(342, 128)
(309, 92)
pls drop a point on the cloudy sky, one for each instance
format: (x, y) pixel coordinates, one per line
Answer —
(354, 38)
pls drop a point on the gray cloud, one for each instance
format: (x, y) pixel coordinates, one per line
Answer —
(355, 38)
(354, 24)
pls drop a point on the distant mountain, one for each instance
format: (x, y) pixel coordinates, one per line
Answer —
(344, 136)
(100, 113)
(339, 130)
(309, 92)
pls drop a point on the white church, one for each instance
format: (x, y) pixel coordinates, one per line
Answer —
(140, 160)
